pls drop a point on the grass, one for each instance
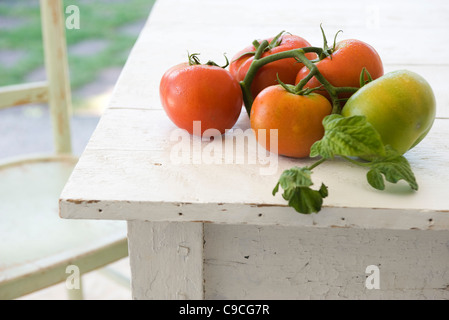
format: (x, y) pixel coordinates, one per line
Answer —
(98, 20)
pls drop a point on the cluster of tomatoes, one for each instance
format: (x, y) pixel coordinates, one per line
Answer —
(400, 104)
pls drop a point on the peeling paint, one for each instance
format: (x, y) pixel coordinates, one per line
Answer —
(79, 201)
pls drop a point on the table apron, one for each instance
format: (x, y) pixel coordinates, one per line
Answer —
(178, 260)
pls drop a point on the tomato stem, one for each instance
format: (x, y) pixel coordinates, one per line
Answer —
(194, 60)
(364, 74)
(335, 40)
(276, 41)
(248, 98)
(288, 87)
(299, 55)
(361, 164)
(316, 164)
(326, 50)
(304, 81)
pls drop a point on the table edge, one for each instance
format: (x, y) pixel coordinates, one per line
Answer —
(255, 214)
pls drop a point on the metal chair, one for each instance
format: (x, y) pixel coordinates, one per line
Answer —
(36, 245)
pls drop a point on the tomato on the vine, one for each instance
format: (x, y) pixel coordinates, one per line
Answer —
(343, 65)
(297, 117)
(400, 105)
(286, 69)
(201, 92)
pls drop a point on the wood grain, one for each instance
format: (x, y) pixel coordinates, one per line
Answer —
(131, 162)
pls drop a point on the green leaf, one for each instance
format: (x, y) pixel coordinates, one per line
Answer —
(306, 200)
(394, 167)
(323, 191)
(296, 184)
(276, 189)
(375, 179)
(348, 136)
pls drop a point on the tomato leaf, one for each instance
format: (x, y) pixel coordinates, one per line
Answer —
(393, 167)
(375, 179)
(348, 136)
(296, 184)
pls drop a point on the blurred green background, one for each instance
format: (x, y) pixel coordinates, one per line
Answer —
(108, 30)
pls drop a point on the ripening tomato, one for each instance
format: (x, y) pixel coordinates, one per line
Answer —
(400, 105)
(199, 92)
(344, 66)
(287, 69)
(298, 119)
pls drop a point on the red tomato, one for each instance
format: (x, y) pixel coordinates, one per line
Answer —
(343, 67)
(205, 93)
(298, 119)
(267, 75)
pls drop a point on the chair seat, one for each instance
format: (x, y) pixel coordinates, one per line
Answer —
(35, 240)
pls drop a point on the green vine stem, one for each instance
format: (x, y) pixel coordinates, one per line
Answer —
(299, 55)
(316, 164)
(194, 60)
(349, 159)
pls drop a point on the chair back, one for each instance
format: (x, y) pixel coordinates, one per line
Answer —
(56, 90)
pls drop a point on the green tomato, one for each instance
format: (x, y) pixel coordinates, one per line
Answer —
(400, 105)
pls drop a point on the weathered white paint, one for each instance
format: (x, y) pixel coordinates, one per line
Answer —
(126, 172)
(259, 262)
(133, 177)
(166, 260)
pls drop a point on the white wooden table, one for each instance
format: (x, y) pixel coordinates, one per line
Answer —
(214, 231)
